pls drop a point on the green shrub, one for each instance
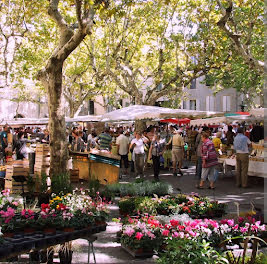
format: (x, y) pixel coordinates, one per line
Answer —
(127, 205)
(185, 251)
(60, 184)
(143, 188)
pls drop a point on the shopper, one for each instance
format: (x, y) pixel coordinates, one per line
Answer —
(177, 151)
(19, 147)
(137, 145)
(122, 143)
(209, 161)
(155, 152)
(105, 140)
(241, 146)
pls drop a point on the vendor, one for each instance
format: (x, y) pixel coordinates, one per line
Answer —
(241, 145)
(105, 140)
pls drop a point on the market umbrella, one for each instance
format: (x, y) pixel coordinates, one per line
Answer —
(184, 121)
(170, 120)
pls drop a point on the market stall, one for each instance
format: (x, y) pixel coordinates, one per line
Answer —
(145, 112)
(257, 166)
(104, 166)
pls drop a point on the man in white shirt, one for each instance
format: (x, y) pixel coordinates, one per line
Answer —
(137, 144)
(122, 143)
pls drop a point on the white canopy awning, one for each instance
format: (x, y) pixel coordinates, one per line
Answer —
(144, 112)
(44, 121)
(208, 121)
(258, 111)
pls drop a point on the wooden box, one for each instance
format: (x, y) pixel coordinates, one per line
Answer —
(74, 175)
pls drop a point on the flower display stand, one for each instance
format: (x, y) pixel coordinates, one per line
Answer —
(138, 253)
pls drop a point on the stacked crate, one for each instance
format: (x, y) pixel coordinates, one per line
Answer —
(17, 168)
(74, 175)
(42, 159)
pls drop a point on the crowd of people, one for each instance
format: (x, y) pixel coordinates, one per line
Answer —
(166, 145)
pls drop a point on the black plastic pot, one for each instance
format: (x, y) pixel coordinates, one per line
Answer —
(65, 256)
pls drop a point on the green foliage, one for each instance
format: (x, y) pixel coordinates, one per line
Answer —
(127, 205)
(43, 183)
(60, 184)
(185, 251)
(143, 188)
(31, 184)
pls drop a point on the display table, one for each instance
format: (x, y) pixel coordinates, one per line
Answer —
(104, 166)
(255, 168)
(80, 162)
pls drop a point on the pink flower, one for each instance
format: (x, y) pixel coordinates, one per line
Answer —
(139, 235)
(243, 230)
(165, 232)
(129, 231)
(175, 234)
(241, 220)
(230, 222)
(15, 203)
(235, 227)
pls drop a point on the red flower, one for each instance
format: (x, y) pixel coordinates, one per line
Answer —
(139, 235)
(165, 232)
(174, 223)
(45, 206)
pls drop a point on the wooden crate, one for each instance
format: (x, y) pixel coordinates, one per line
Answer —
(15, 187)
(74, 175)
(42, 150)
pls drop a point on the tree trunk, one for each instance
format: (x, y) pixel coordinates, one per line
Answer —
(57, 127)
(140, 125)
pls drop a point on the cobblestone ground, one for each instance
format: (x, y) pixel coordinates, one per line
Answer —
(108, 250)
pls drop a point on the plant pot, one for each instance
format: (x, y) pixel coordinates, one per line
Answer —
(68, 229)
(8, 234)
(29, 230)
(65, 256)
(49, 231)
(47, 256)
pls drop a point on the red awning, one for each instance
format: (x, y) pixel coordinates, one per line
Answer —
(182, 121)
(170, 120)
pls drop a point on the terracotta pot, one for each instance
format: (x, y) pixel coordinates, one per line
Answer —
(49, 230)
(139, 250)
(8, 234)
(29, 230)
(68, 229)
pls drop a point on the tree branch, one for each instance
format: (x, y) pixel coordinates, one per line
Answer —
(242, 49)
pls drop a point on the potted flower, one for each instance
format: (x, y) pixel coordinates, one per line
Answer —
(8, 221)
(48, 219)
(142, 237)
(27, 221)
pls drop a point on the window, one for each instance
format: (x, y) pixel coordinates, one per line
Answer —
(91, 107)
(193, 105)
(226, 103)
(184, 104)
(193, 84)
(210, 103)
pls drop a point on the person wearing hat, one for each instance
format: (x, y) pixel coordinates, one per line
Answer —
(177, 151)
(241, 146)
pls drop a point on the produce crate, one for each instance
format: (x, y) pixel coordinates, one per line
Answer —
(74, 175)
(15, 187)
(42, 150)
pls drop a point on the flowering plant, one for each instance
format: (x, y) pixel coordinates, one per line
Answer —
(144, 233)
(27, 218)
(7, 219)
(7, 201)
(48, 217)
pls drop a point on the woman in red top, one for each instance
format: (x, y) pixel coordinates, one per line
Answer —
(209, 161)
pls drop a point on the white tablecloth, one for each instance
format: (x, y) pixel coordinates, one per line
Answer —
(255, 168)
